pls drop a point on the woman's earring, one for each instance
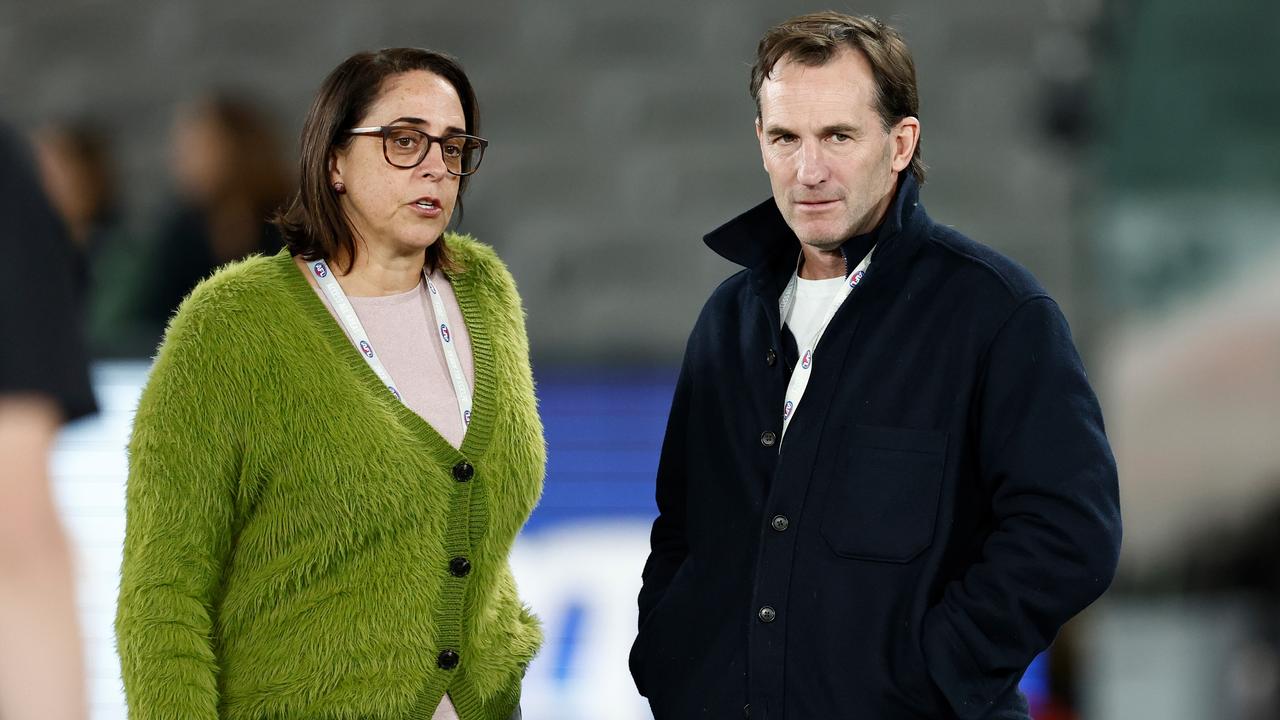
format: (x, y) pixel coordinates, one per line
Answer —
(340, 188)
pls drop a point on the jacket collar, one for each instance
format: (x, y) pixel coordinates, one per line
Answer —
(761, 240)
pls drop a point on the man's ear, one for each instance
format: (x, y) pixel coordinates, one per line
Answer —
(906, 136)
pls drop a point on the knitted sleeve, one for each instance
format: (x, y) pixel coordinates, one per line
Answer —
(185, 456)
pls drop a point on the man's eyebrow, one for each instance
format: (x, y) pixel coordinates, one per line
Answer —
(841, 128)
(838, 128)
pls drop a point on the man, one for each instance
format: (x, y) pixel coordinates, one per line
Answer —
(884, 485)
(43, 382)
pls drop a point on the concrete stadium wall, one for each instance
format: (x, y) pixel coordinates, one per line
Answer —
(621, 132)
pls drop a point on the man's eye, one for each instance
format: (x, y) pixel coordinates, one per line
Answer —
(840, 138)
(785, 139)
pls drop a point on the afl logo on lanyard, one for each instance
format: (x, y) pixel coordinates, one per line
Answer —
(799, 381)
(350, 322)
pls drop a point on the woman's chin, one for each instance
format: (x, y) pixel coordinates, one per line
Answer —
(410, 243)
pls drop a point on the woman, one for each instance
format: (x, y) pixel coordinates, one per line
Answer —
(230, 176)
(320, 509)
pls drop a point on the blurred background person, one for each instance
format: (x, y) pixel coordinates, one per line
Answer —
(77, 165)
(230, 177)
(44, 382)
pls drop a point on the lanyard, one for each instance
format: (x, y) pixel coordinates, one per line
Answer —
(351, 324)
(800, 376)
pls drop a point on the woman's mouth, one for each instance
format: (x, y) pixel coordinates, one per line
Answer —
(427, 207)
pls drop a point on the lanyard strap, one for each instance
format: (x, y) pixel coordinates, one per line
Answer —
(351, 324)
(800, 376)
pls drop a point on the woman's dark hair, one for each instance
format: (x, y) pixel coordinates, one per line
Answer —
(314, 225)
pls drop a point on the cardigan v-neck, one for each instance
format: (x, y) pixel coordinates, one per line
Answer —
(404, 329)
(477, 435)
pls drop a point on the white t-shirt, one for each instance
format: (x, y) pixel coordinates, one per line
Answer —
(813, 299)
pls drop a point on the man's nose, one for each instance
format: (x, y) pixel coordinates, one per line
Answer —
(812, 168)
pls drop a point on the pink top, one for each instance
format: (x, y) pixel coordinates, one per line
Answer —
(402, 328)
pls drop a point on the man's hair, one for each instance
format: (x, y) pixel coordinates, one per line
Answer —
(815, 39)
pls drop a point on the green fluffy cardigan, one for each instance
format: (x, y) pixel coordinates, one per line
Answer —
(290, 524)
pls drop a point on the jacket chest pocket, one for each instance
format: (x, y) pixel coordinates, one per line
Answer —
(882, 501)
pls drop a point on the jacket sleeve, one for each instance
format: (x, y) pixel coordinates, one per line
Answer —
(668, 545)
(184, 463)
(1044, 457)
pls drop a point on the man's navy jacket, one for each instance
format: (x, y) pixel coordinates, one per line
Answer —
(944, 501)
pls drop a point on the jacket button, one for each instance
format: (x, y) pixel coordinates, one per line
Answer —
(767, 614)
(780, 523)
(768, 438)
(771, 357)
(459, 566)
(447, 660)
(463, 471)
